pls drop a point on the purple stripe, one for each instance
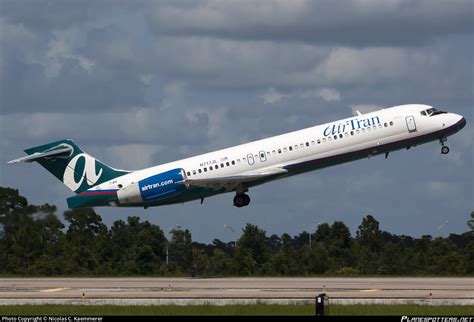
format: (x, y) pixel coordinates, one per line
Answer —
(98, 192)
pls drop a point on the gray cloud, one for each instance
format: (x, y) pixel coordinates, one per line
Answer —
(354, 23)
(142, 83)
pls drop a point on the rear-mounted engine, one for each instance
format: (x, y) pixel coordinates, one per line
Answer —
(160, 186)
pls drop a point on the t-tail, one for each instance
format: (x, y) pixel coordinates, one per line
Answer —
(66, 161)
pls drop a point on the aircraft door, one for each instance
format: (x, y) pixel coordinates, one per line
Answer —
(250, 159)
(263, 156)
(411, 125)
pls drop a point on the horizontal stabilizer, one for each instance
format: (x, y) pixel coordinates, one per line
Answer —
(60, 151)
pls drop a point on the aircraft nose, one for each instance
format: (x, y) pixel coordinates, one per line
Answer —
(461, 121)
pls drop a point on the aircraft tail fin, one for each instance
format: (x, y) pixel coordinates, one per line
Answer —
(66, 161)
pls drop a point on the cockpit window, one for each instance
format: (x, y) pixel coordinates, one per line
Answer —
(432, 112)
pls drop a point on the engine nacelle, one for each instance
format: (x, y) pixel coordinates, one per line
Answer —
(160, 186)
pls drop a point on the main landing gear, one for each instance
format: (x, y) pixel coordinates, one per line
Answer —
(444, 148)
(241, 200)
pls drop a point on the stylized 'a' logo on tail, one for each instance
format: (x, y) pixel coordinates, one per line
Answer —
(87, 175)
(66, 161)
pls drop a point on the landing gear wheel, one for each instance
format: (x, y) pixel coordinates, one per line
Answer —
(444, 149)
(241, 200)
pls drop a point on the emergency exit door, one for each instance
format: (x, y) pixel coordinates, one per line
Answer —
(411, 125)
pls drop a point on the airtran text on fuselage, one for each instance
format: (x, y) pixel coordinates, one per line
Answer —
(350, 125)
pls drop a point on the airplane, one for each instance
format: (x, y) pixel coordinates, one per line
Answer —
(238, 168)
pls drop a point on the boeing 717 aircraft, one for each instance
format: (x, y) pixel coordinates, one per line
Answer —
(244, 166)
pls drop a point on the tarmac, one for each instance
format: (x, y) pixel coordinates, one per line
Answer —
(224, 291)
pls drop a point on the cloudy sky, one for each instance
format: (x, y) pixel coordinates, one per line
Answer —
(139, 83)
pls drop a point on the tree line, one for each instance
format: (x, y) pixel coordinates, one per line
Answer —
(34, 242)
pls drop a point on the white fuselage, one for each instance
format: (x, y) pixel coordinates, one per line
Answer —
(323, 145)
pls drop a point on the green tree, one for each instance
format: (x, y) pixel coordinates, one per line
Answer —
(221, 263)
(369, 245)
(470, 222)
(136, 247)
(252, 250)
(181, 250)
(28, 233)
(283, 262)
(445, 258)
(83, 235)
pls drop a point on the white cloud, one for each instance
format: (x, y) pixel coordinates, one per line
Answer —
(365, 108)
(330, 95)
(272, 96)
(63, 47)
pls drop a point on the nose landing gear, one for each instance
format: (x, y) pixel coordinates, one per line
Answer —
(444, 148)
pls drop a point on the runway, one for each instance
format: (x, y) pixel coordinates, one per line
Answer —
(221, 291)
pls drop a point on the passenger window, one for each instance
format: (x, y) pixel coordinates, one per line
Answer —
(279, 150)
(358, 131)
(194, 171)
(290, 148)
(222, 165)
(340, 136)
(352, 132)
(335, 137)
(391, 123)
(363, 130)
(205, 169)
(319, 141)
(380, 126)
(307, 143)
(274, 152)
(385, 124)
(285, 150)
(227, 164)
(301, 145)
(233, 162)
(346, 134)
(324, 140)
(210, 168)
(188, 173)
(375, 127)
(217, 166)
(199, 170)
(296, 146)
(329, 139)
(312, 142)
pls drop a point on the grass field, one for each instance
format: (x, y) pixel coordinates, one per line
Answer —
(257, 309)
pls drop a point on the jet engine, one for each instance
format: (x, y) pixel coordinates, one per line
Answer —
(160, 186)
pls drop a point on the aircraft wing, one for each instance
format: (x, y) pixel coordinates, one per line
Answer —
(231, 182)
